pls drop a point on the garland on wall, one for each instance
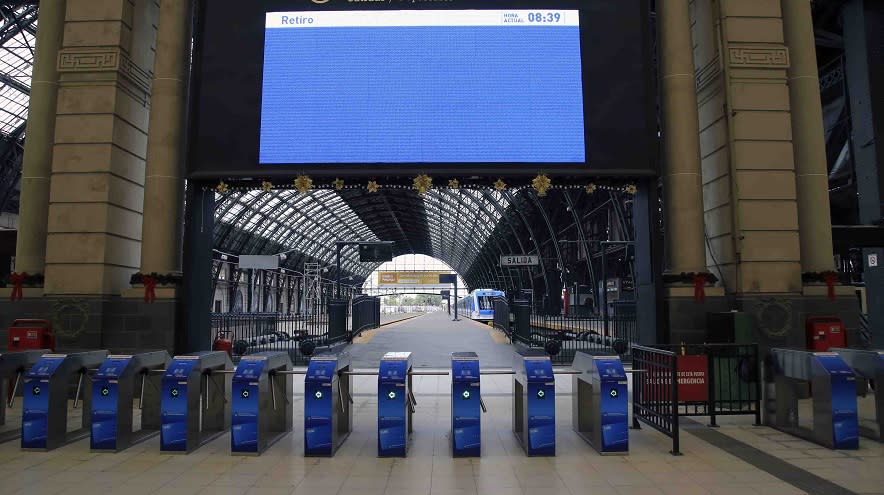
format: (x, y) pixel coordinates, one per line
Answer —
(423, 183)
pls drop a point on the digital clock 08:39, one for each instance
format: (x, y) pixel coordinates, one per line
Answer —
(544, 17)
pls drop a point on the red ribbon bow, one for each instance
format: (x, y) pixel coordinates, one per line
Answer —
(150, 285)
(830, 279)
(700, 287)
(18, 281)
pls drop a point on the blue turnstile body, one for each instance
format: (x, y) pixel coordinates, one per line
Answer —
(466, 415)
(113, 392)
(395, 404)
(46, 393)
(192, 410)
(534, 402)
(833, 386)
(261, 412)
(601, 405)
(328, 415)
(868, 365)
(13, 366)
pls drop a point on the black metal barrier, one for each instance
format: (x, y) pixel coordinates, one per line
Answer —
(521, 310)
(365, 314)
(587, 334)
(502, 316)
(249, 333)
(718, 380)
(655, 391)
(337, 321)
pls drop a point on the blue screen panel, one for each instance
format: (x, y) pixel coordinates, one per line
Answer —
(422, 87)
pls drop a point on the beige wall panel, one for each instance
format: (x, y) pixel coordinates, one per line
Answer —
(92, 248)
(96, 218)
(86, 279)
(84, 128)
(768, 215)
(90, 10)
(716, 165)
(97, 158)
(753, 184)
(129, 138)
(751, 8)
(777, 277)
(723, 248)
(771, 245)
(711, 112)
(713, 138)
(132, 111)
(762, 126)
(739, 74)
(716, 193)
(96, 188)
(86, 99)
(94, 33)
(765, 155)
(760, 96)
(754, 29)
(719, 221)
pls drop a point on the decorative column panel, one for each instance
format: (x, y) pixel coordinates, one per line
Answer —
(164, 177)
(754, 144)
(808, 141)
(31, 242)
(96, 193)
(682, 184)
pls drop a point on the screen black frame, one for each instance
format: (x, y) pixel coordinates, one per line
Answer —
(619, 112)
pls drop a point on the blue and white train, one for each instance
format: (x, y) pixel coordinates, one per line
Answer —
(479, 304)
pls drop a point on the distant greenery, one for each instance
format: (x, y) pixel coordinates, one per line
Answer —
(414, 300)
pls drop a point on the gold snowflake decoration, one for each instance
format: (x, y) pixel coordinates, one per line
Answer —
(267, 186)
(454, 184)
(222, 187)
(339, 184)
(500, 185)
(303, 183)
(541, 184)
(372, 186)
(631, 189)
(591, 187)
(423, 183)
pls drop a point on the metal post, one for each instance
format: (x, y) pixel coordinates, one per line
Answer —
(674, 406)
(455, 300)
(710, 401)
(605, 285)
(338, 246)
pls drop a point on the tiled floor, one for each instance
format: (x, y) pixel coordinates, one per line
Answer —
(503, 469)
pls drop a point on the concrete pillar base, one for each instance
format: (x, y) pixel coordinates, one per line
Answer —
(118, 324)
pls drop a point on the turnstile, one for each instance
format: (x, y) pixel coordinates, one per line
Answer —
(534, 402)
(114, 386)
(47, 388)
(832, 403)
(869, 365)
(466, 403)
(13, 366)
(192, 410)
(261, 410)
(601, 405)
(328, 414)
(395, 404)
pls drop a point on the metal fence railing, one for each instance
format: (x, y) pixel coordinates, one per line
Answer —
(256, 332)
(502, 316)
(588, 334)
(365, 313)
(655, 391)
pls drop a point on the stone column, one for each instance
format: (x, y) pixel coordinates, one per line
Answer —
(808, 142)
(682, 187)
(164, 181)
(31, 244)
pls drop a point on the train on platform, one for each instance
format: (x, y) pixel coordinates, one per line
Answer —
(479, 304)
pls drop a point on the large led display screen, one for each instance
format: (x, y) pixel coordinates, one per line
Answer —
(395, 87)
(422, 86)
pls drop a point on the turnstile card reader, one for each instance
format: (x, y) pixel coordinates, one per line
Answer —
(534, 402)
(261, 410)
(834, 407)
(601, 405)
(46, 392)
(13, 366)
(192, 410)
(466, 420)
(328, 413)
(868, 365)
(114, 387)
(395, 404)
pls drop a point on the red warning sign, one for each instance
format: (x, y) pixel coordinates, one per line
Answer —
(693, 372)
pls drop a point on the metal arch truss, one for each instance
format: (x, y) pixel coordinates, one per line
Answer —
(469, 229)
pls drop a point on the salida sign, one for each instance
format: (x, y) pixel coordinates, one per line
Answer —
(692, 376)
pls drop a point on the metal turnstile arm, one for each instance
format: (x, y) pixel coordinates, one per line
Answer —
(482, 405)
(15, 388)
(79, 388)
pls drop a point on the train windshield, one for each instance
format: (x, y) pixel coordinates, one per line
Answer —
(486, 302)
